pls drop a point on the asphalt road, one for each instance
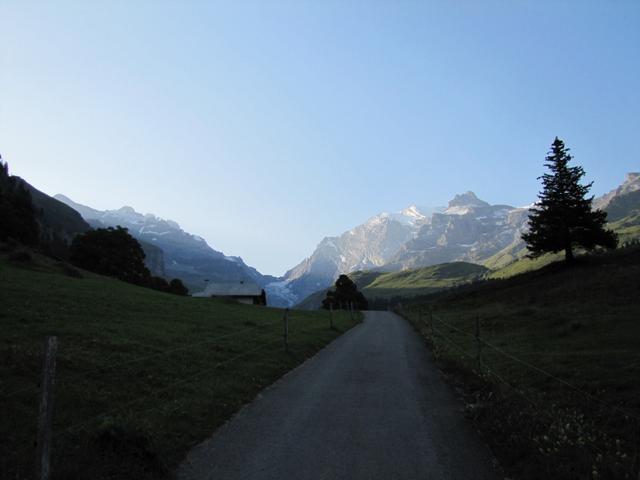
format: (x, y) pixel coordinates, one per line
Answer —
(371, 405)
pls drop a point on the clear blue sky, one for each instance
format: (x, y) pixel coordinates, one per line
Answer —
(265, 126)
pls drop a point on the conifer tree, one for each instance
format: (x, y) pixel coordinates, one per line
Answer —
(345, 295)
(17, 214)
(563, 219)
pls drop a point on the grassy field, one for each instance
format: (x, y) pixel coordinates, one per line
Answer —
(437, 277)
(524, 265)
(142, 376)
(384, 288)
(557, 394)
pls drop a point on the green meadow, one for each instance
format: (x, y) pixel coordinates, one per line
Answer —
(556, 389)
(142, 376)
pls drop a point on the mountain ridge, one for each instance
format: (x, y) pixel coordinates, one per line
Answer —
(467, 230)
(186, 256)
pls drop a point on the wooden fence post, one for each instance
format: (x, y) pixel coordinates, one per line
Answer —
(43, 449)
(431, 323)
(286, 330)
(478, 344)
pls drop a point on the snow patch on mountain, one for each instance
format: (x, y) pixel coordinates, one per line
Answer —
(456, 210)
(281, 290)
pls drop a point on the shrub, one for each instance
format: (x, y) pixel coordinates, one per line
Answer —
(177, 287)
(112, 252)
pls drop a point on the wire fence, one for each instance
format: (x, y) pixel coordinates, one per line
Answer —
(594, 422)
(195, 363)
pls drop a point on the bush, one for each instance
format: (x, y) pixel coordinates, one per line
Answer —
(157, 283)
(112, 252)
(177, 287)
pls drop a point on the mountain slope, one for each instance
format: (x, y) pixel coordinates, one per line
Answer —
(186, 256)
(630, 184)
(366, 246)
(59, 223)
(468, 230)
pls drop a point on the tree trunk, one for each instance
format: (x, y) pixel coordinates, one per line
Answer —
(568, 254)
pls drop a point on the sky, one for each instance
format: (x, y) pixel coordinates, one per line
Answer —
(265, 126)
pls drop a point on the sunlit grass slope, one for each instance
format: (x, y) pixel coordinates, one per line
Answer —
(141, 375)
(416, 282)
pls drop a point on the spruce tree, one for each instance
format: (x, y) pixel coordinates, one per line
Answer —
(563, 219)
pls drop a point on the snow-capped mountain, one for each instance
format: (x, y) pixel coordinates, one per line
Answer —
(367, 246)
(186, 256)
(469, 229)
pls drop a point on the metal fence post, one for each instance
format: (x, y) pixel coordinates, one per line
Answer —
(46, 409)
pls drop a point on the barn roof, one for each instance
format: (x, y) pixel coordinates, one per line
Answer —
(231, 289)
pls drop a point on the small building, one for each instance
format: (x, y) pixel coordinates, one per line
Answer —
(242, 292)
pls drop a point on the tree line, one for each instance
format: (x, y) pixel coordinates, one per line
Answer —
(107, 251)
(17, 214)
(115, 253)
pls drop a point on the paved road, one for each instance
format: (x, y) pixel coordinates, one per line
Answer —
(369, 406)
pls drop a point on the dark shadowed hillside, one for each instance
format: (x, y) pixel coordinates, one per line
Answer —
(562, 360)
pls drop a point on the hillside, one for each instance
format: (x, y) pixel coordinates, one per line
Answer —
(141, 375)
(467, 230)
(566, 364)
(436, 277)
(380, 287)
(184, 255)
(366, 246)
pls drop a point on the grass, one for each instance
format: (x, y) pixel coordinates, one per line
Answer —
(409, 283)
(628, 228)
(142, 376)
(383, 288)
(523, 265)
(579, 324)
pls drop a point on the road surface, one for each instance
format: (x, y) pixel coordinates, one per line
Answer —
(371, 406)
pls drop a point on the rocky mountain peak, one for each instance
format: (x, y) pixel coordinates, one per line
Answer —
(414, 212)
(464, 203)
(632, 177)
(467, 199)
(631, 184)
